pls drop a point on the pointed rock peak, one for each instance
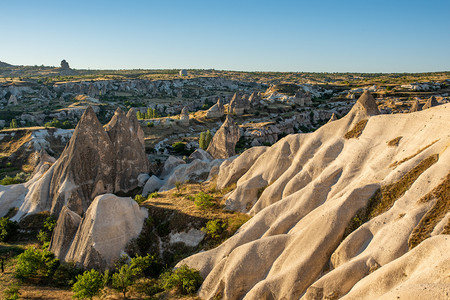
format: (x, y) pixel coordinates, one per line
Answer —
(228, 121)
(184, 111)
(236, 97)
(415, 107)
(131, 112)
(430, 103)
(118, 111)
(88, 119)
(219, 101)
(333, 118)
(368, 103)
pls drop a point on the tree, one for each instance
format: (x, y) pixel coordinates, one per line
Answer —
(124, 279)
(205, 139)
(202, 140)
(208, 138)
(88, 285)
(13, 123)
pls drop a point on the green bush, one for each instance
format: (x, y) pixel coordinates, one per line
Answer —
(45, 234)
(179, 147)
(139, 199)
(19, 178)
(12, 292)
(8, 229)
(203, 200)
(13, 123)
(184, 279)
(146, 265)
(41, 264)
(123, 279)
(205, 139)
(153, 195)
(58, 124)
(88, 285)
(214, 228)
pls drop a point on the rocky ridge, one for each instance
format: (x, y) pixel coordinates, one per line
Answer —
(308, 194)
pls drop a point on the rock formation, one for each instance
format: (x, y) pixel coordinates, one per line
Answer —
(366, 104)
(224, 141)
(237, 104)
(302, 98)
(94, 162)
(12, 101)
(184, 117)
(254, 99)
(309, 195)
(107, 227)
(415, 107)
(430, 103)
(216, 111)
(65, 65)
(333, 118)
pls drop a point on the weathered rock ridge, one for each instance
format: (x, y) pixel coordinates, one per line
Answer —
(307, 194)
(96, 161)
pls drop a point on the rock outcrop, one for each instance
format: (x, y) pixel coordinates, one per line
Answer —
(302, 98)
(216, 111)
(415, 107)
(107, 227)
(224, 141)
(238, 104)
(12, 101)
(333, 118)
(184, 117)
(65, 65)
(313, 196)
(431, 102)
(94, 162)
(254, 99)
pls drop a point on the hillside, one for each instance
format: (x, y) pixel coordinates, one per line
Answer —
(359, 209)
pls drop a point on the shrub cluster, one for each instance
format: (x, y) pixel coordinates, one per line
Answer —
(203, 200)
(8, 229)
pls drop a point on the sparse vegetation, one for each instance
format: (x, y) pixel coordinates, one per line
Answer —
(203, 200)
(394, 142)
(385, 197)
(184, 279)
(441, 194)
(8, 229)
(205, 139)
(357, 130)
(88, 285)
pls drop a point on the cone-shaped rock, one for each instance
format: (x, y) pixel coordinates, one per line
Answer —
(333, 118)
(216, 111)
(130, 159)
(415, 107)
(64, 233)
(237, 104)
(85, 168)
(107, 227)
(184, 117)
(254, 99)
(224, 141)
(430, 103)
(131, 115)
(366, 104)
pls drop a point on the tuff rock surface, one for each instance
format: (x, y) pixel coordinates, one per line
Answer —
(224, 141)
(306, 190)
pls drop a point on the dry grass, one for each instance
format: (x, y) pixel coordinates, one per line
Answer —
(357, 130)
(385, 197)
(394, 142)
(396, 163)
(422, 231)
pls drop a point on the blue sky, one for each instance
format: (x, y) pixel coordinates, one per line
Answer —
(310, 36)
